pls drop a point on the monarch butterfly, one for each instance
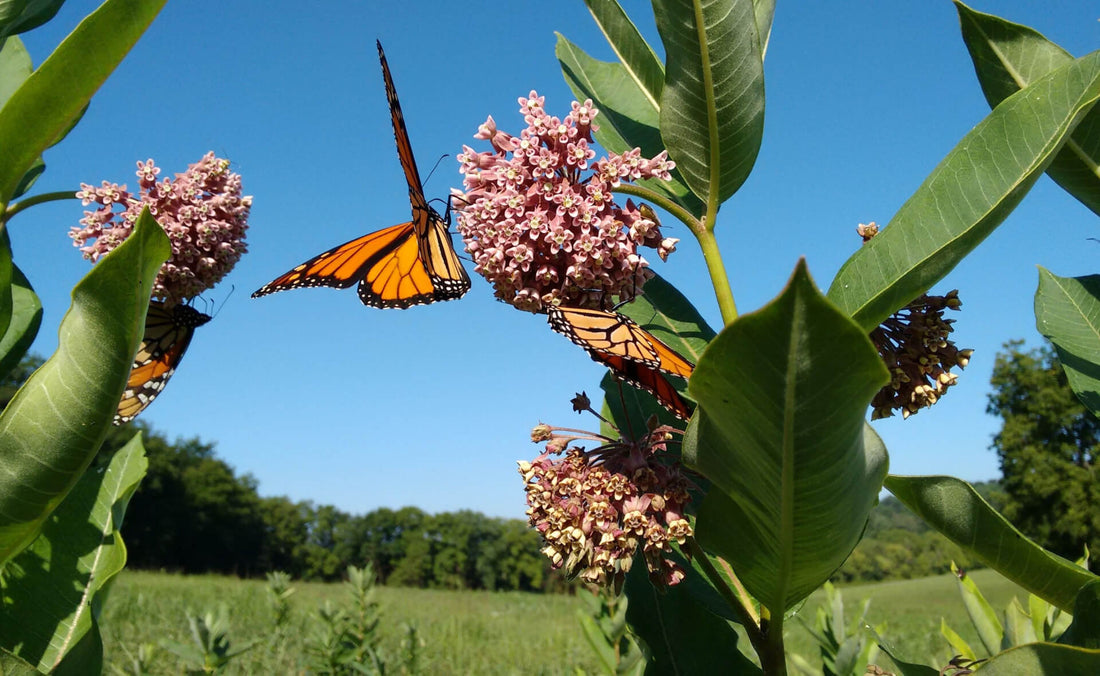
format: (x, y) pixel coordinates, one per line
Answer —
(632, 353)
(167, 335)
(400, 266)
(648, 379)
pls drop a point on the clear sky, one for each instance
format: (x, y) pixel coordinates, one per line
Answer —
(322, 398)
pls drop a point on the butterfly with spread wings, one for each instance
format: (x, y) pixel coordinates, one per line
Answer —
(412, 263)
(167, 335)
(632, 353)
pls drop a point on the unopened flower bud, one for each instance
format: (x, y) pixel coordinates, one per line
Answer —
(867, 231)
(541, 432)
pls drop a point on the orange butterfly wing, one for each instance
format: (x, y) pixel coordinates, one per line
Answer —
(386, 264)
(436, 252)
(648, 379)
(632, 353)
(167, 335)
(409, 264)
(616, 334)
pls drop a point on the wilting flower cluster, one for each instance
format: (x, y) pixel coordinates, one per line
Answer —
(538, 217)
(915, 346)
(594, 509)
(202, 211)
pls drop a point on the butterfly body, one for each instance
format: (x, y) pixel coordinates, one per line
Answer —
(632, 353)
(412, 263)
(167, 335)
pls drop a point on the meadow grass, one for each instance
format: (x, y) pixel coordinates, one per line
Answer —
(463, 632)
(485, 633)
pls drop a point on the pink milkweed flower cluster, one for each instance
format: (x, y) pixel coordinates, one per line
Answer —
(202, 211)
(538, 218)
(595, 509)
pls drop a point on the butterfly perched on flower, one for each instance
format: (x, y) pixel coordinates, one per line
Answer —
(168, 332)
(408, 264)
(632, 353)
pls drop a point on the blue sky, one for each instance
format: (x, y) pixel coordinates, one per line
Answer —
(322, 398)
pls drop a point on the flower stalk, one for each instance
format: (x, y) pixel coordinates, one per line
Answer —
(722, 291)
(34, 200)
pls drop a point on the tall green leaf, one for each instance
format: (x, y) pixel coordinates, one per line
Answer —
(967, 196)
(52, 586)
(7, 271)
(765, 13)
(1008, 57)
(20, 16)
(682, 635)
(628, 117)
(712, 104)
(25, 319)
(958, 644)
(955, 509)
(982, 615)
(15, 68)
(54, 425)
(780, 432)
(44, 108)
(637, 57)
(668, 314)
(1084, 632)
(1067, 312)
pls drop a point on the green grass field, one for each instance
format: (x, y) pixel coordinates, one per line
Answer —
(478, 632)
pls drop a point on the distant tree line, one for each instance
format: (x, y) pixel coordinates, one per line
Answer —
(194, 514)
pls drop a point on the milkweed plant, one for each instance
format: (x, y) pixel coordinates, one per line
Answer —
(716, 529)
(737, 516)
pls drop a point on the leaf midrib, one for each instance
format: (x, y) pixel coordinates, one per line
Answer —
(787, 487)
(1022, 82)
(948, 243)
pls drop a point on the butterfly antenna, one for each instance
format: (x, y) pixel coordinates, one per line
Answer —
(634, 291)
(232, 288)
(436, 166)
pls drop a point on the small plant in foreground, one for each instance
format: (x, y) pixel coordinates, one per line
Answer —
(345, 639)
(1015, 626)
(139, 664)
(279, 592)
(412, 650)
(844, 651)
(211, 650)
(605, 628)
